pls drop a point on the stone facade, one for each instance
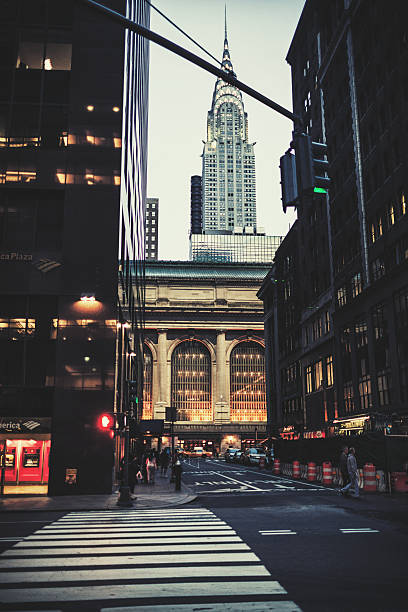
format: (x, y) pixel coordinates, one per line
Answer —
(216, 306)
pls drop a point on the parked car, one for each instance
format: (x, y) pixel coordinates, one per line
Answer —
(230, 453)
(252, 456)
(237, 456)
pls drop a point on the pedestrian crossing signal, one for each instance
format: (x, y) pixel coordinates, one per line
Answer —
(106, 421)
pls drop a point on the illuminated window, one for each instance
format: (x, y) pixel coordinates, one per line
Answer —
(318, 374)
(247, 380)
(348, 397)
(147, 383)
(364, 389)
(356, 284)
(329, 370)
(34, 53)
(17, 328)
(191, 381)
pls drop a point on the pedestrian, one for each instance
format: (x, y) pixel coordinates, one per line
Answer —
(151, 465)
(352, 486)
(343, 466)
(164, 462)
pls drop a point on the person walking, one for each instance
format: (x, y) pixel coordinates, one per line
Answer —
(151, 465)
(164, 462)
(343, 466)
(353, 475)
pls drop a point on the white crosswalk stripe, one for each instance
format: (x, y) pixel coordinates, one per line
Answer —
(154, 560)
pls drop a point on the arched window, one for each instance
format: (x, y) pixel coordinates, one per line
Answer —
(147, 383)
(247, 375)
(191, 381)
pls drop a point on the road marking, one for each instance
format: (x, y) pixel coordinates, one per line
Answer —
(360, 530)
(132, 560)
(214, 524)
(64, 549)
(154, 591)
(11, 539)
(248, 606)
(133, 574)
(278, 532)
(137, 529)
(244, 484)
(205, 537)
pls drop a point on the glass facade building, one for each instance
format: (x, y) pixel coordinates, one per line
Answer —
(73, 121)
(231, 247)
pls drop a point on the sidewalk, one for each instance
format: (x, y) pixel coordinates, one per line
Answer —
(160, 495)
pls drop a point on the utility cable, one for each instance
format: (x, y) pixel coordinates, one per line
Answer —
(182, 31)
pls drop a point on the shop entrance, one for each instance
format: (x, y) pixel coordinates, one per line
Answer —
(24, 465)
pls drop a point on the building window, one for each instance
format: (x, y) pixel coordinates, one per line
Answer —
(247, 379)
(147, 383)
(348, 396)
(364, 389)
(329, 370)
(361, 334)
(341, 296)
(356, 285)
(191, 381)
(377, 268)
(383, 388)
(379, 323)
(318, 374)
(309, 379)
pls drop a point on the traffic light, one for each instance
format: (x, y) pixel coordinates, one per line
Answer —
(311, 164)
(106, 421)
(132, 387)
(288, 180)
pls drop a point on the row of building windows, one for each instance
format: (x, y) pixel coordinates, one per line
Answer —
(386, 219)
(319, 373)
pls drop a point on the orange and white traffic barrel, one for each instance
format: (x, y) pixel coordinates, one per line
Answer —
(327, 473)
(296, 469)
(370, 483)
(311, 471)
(276, 466)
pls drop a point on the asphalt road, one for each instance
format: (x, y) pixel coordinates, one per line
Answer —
(251, 542)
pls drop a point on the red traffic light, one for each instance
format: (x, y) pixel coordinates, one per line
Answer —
(106, 421)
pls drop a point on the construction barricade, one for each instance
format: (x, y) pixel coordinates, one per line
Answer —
(276, 466)
(296, 469)
(311, 471)
(370, 482)
(327, 473)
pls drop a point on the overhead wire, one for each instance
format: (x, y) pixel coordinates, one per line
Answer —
(185, 33)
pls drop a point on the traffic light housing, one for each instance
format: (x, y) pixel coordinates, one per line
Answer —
(106, 421)
(311, 164)
(288, 180)
(132, 387)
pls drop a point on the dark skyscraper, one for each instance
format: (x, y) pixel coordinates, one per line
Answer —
(72, 185)
(196, 205)
(341, 356)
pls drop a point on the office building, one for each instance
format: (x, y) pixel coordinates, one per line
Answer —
(72, 187)
(346, 342)
(196, 224)
(152, 228)
(234, 247)
(228, 170)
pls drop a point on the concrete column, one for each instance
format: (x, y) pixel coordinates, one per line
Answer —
(221, 408)
(160, 407)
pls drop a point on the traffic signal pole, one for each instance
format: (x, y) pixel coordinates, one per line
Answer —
(228, 77)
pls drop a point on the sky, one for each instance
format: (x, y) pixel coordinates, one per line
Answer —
(180, 94)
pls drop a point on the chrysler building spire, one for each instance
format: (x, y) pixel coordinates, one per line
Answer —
(228, 176)
(226, 60)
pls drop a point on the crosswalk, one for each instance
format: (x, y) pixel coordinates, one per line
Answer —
(143, 560)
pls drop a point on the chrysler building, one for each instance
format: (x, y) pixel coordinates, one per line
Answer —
(228, 173)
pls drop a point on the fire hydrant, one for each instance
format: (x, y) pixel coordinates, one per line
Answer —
(177, 474)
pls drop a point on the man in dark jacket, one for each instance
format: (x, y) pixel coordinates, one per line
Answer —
(343, 466)
(352, 487)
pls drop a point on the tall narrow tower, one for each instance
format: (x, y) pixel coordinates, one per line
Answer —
(228, 197)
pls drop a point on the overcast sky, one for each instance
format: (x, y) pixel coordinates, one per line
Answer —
(259, 35)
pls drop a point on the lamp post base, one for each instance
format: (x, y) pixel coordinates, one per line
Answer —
(125, 499)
